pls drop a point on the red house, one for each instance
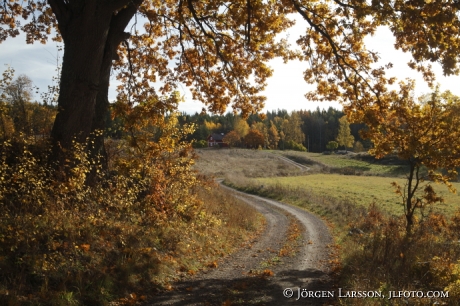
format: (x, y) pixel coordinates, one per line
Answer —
(216, 139)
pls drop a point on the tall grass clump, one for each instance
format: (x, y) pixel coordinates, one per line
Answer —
(140, 224)
(381, 256)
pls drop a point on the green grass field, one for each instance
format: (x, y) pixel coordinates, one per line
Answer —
(362, 190)
(345, 161)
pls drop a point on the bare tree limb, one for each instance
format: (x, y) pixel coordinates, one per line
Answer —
(248, 22)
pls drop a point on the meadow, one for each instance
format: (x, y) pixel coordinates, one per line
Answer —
(365, 217)
(244, 163)
(351, 163)
(363, 190)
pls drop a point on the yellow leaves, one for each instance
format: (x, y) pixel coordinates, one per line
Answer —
(132, 299)
(191, 272)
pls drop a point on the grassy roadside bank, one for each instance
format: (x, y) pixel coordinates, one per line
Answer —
(362, 190)
(375, 253)
(150, 221)
(100, 259)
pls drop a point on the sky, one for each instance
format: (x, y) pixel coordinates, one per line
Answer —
(285, 89)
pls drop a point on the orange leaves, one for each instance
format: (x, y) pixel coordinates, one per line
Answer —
(227, 303)
(213, 264)
(200, 44)
(132, 299)
(85, 247)
(265, 273)
(254, 139)
(430, 195)
(191, 272)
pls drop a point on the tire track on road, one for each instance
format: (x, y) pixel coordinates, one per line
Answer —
(231, 282)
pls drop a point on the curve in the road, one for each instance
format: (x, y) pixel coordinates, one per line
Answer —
(231, 280)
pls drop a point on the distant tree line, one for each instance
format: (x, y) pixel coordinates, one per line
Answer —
(302, 130)
(313, 130)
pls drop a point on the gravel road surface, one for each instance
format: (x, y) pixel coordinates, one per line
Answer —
(233, 283)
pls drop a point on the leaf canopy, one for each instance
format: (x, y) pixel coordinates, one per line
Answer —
(220, 49)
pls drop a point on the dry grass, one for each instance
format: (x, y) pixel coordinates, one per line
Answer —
(63, 242)
(382, 257)
(243, 162)
(351, 163)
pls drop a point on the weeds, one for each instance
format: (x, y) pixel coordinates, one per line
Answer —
(425, 261)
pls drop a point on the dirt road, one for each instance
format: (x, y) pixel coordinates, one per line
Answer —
(234, 282)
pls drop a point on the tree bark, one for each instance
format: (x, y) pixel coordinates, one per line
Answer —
(92, 31)
(85, 37)
(115, 37)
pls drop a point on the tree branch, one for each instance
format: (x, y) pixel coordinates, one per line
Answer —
(197, 19)
(121, 20)
(341, 62)
(117, 5)
(248, 22)
(344, 4)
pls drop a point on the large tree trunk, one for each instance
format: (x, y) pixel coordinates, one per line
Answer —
(85, 36)
(97, 148)
(92, 31)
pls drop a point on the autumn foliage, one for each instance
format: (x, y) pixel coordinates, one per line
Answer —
(221, 51)
(254, 139)
(379, 256)
(133, 229)
(425, 135)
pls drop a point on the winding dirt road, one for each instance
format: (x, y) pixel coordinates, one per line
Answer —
(232, 282)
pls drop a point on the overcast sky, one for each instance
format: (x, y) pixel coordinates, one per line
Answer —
(285, 90)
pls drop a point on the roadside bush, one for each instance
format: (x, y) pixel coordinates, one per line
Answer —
(292, 145)
(143, 221)
(65, 237)
(200, 144)
(383, 256)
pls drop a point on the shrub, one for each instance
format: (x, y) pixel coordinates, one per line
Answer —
(292, 145)
(63, 241)
(200, 144)
(383, 256)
